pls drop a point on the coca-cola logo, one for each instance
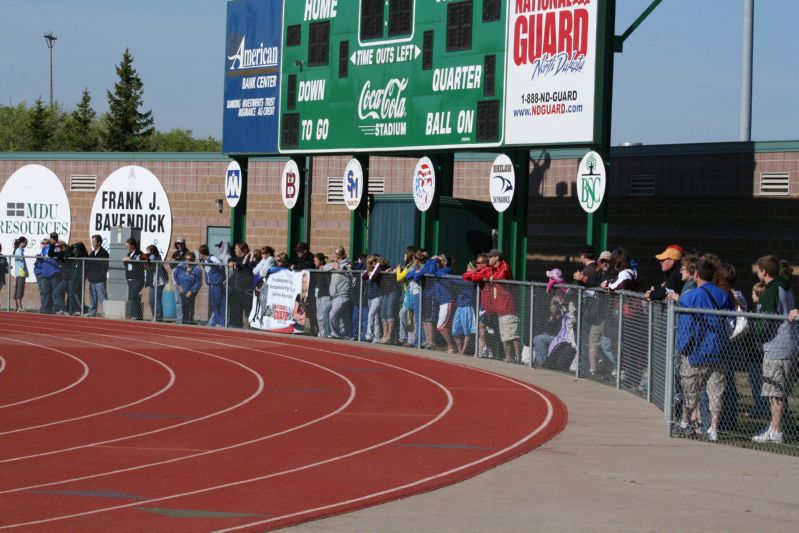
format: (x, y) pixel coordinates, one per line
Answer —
(383, 104)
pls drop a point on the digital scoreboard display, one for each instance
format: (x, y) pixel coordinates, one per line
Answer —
(348, 76)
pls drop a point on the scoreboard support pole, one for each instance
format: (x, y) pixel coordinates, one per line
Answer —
(430, 220)
(512, 223)
(299, 218)
(238, 215)
(597, 227)
(359, 218)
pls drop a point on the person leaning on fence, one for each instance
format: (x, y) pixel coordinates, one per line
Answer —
(403, 274)
(477, 273)
(134, 275)
(3, 268)
(20, 272)
(215, 279)
(61, 292)
(241, 263)
(320, 288)
(155, 279)
(670, 265)
(779, 340)
(188, 281)
(388, 304)
(175, 260)
(303, 258)
(339, 292)
(500, 300)
(96, 275)
(437, 308)
(375, 265)
(703, 342)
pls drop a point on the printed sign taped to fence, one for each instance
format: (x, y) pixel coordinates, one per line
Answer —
(591, 182)
(233, 183)
(280, 302)
(290, 184)
(502, 183)
(353, 184)
(34, 205)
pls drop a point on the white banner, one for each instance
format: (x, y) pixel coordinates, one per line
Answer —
(280, 301)
(551, 66)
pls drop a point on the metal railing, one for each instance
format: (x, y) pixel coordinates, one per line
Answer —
(615, 338)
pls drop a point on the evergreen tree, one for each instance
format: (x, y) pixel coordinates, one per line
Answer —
(127, 129)
(80, 128)
(41, 127)
(15, 128)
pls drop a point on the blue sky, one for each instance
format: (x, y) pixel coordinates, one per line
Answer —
(678, 79)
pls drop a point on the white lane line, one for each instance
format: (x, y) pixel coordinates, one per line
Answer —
(418, 482)
(258, 391)
(59, 391)
(343, 406)
(2, 363)
(96, 413)
(440, 415)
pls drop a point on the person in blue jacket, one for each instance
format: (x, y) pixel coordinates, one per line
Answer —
(437, 308)
(189, 280)
(703, 340)
(215, 279)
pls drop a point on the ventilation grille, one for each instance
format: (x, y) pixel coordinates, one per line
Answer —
(642, 185)
(335, 189)
(775, 184)
(82, 183)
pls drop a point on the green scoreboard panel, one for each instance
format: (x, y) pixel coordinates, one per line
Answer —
(409, 75)
(391, 74)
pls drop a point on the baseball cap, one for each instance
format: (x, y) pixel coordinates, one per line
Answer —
(45, 241)
(672, 251)
(605, 256)
(180, 240)
(555, 273)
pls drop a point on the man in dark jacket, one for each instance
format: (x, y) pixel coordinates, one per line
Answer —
(670, 265)
(303, 260)
(96, 273)
(134, 275)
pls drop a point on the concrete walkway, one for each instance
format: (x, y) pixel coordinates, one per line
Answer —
(612, 469)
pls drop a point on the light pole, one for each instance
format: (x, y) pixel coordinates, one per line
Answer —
(50, 38)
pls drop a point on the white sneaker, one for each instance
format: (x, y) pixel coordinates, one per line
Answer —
(769, 436)
(712, 435)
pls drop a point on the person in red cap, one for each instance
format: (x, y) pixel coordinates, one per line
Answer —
(670, 265)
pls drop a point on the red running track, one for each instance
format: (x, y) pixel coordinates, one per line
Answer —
(131, 426)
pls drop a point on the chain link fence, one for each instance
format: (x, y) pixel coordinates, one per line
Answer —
(744, 395)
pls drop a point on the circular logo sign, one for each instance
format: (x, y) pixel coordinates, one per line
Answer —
(132, 197)
(502, 183)
(290, 184)
(353, 184)
(591, 182)
(424, 184)
(233, 184)
(34, 205)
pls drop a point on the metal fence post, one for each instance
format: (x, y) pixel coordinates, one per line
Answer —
(155, 296)
(477, 321)
(649, 343)
(227, 293)
(619, 342)
(419, 320)
(82, 285)
(580, 294)
(360, 307)
(669, 388)
(532, 313)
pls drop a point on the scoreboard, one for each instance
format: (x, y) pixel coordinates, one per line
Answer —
(347, 76)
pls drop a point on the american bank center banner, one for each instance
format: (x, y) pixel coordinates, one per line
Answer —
(280, 301)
